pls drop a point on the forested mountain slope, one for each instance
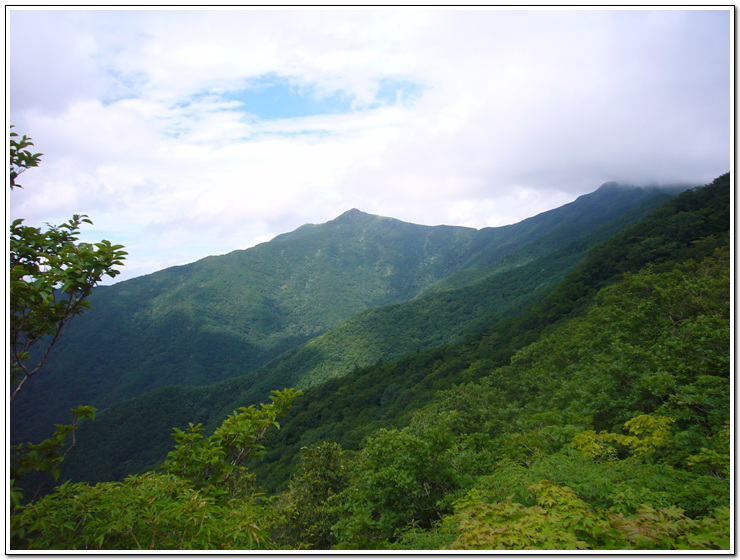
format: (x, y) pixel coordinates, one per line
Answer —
(347, 409)
(225, 316)
(692, 226)
(443, 314)
(610, 432)
(597, 419)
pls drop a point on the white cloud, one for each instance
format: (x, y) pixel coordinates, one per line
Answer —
(512, 113)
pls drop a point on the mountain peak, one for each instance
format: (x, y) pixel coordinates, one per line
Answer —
(353, 213)
(613, 186)
(353, 216)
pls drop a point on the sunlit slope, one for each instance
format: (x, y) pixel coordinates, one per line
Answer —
(441, 315)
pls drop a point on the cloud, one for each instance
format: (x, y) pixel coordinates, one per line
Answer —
(184, 133)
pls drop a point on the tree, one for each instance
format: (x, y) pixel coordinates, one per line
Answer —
(51, 276)
(202, 500)
(21, 158)
(304, 516)
(215, 463)
(406, 477)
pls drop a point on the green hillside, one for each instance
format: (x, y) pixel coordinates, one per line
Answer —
(597, 419)
(376, 396)
(691, 226)
(450, 310)
(226, 316)
(610, 432)
(441, 315)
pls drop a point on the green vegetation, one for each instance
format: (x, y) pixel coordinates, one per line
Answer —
(348, 409)
(443, 314)
(534, 455)
(225, 317)
(116, 445)
(51, 276)
(202, 499)
(617, 419)
(596, 418)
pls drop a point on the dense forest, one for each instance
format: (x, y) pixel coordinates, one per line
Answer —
(588, 411)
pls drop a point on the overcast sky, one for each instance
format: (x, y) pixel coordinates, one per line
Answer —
(187, 133)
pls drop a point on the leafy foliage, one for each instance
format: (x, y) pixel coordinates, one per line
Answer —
(562, 521)
(654, 428)
(202, 500)
(150, 511)
(45, 457)
(216, 462)
(406, 477)
(304, 516)
(51, 275)
(21, 158)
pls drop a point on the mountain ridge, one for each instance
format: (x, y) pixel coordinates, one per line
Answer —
(225, 316)
(373, 396)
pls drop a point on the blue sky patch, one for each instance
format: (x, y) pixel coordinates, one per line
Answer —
(273, 97)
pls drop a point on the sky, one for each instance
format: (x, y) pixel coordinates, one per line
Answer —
(184, 133)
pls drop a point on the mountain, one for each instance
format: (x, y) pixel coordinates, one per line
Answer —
(224, 316)
(227, 316)
(521, 427)
(132, 435)
(348, 409)
(135, 434)
(462, 304)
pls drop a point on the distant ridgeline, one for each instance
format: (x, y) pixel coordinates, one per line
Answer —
(369, 315)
